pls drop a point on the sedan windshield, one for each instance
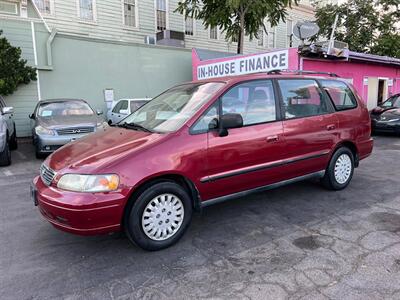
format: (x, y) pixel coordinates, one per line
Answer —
(392, 102)
(65, 108)
(170, 110)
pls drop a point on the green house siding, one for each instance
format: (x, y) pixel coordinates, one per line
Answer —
(83, 68)
(19, 34)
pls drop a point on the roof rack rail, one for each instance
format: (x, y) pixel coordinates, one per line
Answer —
(300, 72)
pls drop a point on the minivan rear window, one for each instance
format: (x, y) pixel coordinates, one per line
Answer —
(341, 95)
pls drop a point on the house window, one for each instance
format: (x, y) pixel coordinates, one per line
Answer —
(260, 35)
(214, 33)
(289, 31)
(130, 13)
(189, 26)
(44, 6)
(161, 14)
(86, 10)
(8, 8)
(271, 38)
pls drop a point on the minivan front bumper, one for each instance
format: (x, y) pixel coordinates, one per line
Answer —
(79, 213)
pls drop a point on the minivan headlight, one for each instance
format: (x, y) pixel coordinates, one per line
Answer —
(41, 130)
(89, 183)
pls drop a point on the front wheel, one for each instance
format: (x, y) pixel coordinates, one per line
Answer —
(5, 155)
(13, 140)
(159, 216)
(340, 170)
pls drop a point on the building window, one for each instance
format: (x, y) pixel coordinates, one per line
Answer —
(130, 13)
(161, 14)
(260, 35)
(271, 38)
(86, 10)
(289, 31)
(214, 33)
(44, 6)
(189, 26)
(8, 8)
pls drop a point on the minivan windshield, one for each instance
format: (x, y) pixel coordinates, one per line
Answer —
(170, 110)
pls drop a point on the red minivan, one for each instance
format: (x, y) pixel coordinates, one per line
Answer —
(201, 143)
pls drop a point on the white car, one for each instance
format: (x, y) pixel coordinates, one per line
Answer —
(8, 136)
(123, 108)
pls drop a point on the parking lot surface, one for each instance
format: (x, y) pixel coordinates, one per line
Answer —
(296, 242)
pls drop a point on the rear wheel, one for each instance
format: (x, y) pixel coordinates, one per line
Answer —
(159, 216)
(340, 170)
(13, 140)
(5, 155)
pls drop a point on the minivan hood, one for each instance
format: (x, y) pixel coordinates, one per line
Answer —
(100, 149)
(57, 122)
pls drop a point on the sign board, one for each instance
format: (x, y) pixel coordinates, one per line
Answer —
(109, 97)
(390, 82)
(276, 60)
(365, 81)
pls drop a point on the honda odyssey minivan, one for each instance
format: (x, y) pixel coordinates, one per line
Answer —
(201, 143)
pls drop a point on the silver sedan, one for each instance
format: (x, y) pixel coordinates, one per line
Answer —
(57, 122)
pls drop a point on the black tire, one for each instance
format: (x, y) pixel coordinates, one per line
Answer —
(329, 180)
(133, 219)
(38, 154)
(5, 156)
(13, 140)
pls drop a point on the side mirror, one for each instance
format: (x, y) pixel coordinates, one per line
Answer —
(32, 116)
(124, 111)
(7, 110)
(229, 121)
(99, 112)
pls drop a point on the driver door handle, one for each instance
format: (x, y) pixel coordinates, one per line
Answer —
(272, 138)
(331, 127)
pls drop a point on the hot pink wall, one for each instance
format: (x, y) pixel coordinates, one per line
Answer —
(345, 69)
(357, 71)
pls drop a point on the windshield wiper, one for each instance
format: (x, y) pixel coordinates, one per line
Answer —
(134, 126)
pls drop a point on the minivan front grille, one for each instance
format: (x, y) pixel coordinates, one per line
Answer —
(46, 174)
(76, 130)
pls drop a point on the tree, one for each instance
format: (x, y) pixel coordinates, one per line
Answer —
(236, 18)
(367, 26)
(13, 69)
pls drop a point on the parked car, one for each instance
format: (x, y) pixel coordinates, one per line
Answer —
(123, 108)
(386, 117)
(178, 154)
(8, 134)
(57, 122)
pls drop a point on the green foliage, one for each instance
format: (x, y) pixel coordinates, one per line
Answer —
(13, 69)
(367, 26)
(236, 18)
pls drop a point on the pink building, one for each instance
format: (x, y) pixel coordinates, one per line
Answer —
(375, 77)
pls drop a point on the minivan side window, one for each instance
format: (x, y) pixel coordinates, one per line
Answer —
(341, 95)
(254, 100)
(302, 98)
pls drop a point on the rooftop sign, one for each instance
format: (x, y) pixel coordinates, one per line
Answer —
(276, 60)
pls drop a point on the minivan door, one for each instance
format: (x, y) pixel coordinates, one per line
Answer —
(249, 156)
(310, 126)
